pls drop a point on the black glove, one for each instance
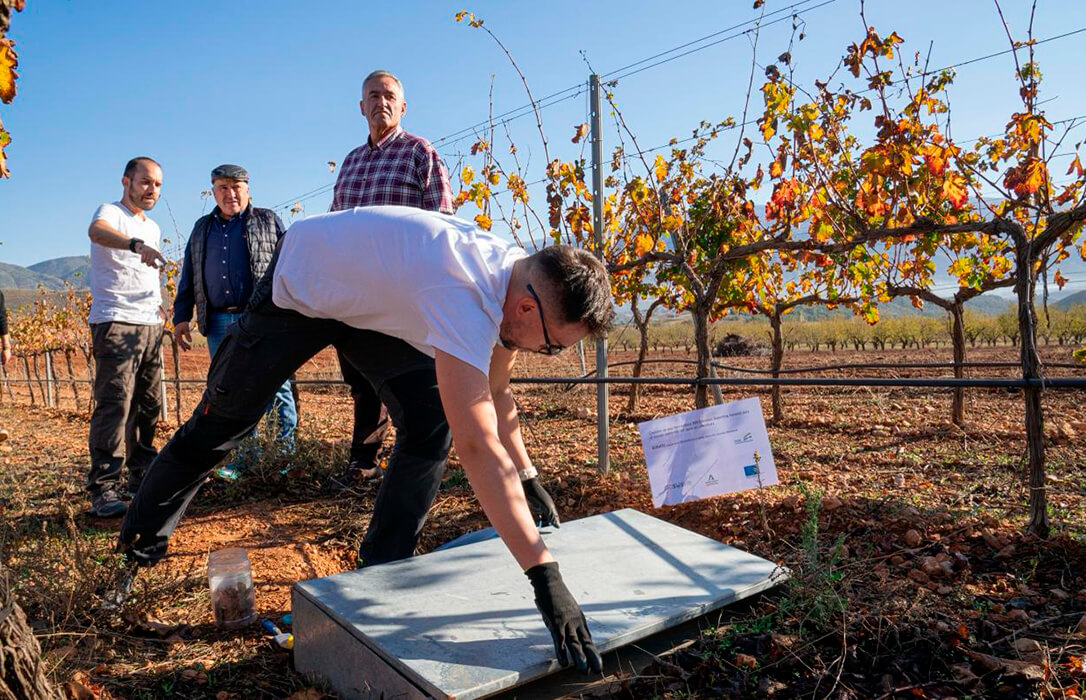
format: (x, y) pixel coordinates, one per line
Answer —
(540, 501)
(563, 618)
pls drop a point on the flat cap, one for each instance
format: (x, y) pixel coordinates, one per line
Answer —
(231, 172)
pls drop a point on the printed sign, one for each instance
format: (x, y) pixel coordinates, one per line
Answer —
(707, 452)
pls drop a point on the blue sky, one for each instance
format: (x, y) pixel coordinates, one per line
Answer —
(274, 86)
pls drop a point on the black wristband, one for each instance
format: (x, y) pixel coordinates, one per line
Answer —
(133, 242)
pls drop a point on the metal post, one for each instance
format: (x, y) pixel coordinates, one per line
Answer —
(718, 397)
(50, 394)
(163, 414)
(602, 417)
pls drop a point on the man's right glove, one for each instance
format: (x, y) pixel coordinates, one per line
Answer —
(563, 618)
(540, 502)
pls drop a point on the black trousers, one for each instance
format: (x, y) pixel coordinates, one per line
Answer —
(258, 354)
(370, 415)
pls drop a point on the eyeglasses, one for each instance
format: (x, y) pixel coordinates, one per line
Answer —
(548, 347)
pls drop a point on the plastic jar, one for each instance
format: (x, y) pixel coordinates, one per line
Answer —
(231, 582)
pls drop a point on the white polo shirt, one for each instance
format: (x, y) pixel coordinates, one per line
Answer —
(122, 287)
(430, 279)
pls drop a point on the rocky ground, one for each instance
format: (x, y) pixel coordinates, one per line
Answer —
(912, 574)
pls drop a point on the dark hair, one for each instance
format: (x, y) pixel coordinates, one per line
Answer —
(130, 167)
(579, 285)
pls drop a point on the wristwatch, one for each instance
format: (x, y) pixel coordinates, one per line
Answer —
(133, 242)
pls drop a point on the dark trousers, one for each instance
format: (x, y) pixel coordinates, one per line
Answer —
(370, 415)
(259, 352)
(127, 401)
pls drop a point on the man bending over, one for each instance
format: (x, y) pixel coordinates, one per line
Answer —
(431, 311)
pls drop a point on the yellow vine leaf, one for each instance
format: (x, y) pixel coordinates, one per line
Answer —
(483, 221)
(659, 168)
(5, 139)
(9, 61)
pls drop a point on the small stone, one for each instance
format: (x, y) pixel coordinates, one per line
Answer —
(783, 641)
(746, 661)
(945, 590)
(918, 576)
(1080, 628)
(912, 538)
(897, 560)
(899, 481)
(1027, 647)
(831, 503)
(1018, 615)
(1066, 432)
(931, 567)
(1007, 552)
(1060, 594)
(769, 688)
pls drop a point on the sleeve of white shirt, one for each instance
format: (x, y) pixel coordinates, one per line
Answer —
(108, 213)
(457, 325)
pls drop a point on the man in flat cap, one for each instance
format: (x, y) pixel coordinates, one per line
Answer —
(227, 253)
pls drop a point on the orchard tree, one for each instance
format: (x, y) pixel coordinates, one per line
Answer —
(914, 185)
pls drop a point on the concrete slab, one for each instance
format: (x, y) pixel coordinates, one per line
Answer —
(461, 623)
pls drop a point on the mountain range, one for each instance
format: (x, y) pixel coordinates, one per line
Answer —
(51, 274)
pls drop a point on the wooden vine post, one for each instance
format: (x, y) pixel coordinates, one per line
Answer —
(22, 673)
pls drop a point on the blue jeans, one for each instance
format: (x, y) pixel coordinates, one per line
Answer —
(282, 402)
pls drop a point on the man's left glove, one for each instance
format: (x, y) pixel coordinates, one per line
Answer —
(540, 501)
(564, 619)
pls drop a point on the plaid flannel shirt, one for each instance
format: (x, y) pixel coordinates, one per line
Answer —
(403, 169)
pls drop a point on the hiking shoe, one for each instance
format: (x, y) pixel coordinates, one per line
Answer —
(133, 485)
(107, 503)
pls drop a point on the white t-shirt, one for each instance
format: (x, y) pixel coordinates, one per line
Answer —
(122, 287)
(432, 280)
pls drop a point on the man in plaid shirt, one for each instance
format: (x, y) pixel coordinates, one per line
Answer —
(392, 167)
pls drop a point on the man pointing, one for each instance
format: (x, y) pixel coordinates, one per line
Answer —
(432, 312)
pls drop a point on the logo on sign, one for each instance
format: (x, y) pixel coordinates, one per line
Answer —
(711, 481)
(748, 437)
(750, 470)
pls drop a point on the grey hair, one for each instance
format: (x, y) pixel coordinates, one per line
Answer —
(381, 74)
